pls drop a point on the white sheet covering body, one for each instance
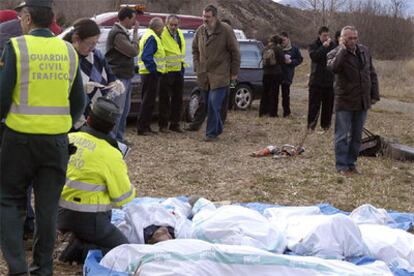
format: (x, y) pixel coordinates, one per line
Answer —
(194, 257)
(309, 234)
(172, 212)
(369, 214)
(393, 246)
(235, 225)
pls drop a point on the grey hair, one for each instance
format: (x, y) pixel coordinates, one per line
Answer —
(156, 23)
(171, 16)
(348, 28)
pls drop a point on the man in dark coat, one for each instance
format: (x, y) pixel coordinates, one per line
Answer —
(356, 89)
(293, 58)
(320, 82)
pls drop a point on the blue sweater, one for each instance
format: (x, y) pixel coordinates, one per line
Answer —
(150, 48)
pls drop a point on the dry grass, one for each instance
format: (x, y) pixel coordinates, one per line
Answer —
(173, 164)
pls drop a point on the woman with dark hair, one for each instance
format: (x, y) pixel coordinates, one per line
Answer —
(97, 76)
(272, 76)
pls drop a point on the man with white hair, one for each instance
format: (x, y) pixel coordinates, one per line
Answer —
(356, 89)
(151, 62)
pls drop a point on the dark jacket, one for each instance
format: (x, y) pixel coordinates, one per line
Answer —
(289, 69)
(280, 59)
(121, 52)
(8, 30)
(320, 76)
(356, 82)
(216, 57)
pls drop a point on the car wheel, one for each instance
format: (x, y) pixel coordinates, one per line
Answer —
(243, 97)
(193, 105)
(195, 109)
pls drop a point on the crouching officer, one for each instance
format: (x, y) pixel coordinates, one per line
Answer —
(97, 181)
(41, 94)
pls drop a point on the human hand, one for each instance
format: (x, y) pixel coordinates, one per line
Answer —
(374, 101)
(342, 42)
(287, 59)
(327, 43)
(91, 85)
(233, 77)
(136, 26)
(117, 87)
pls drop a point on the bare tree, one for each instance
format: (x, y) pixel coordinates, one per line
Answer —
(324, 8)
(397, 7)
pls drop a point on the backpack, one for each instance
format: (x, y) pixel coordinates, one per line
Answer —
(269, 57)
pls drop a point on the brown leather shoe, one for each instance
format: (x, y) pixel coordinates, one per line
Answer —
(354, 170)
(346, 173)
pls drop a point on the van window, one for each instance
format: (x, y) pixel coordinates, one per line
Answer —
(250, 55)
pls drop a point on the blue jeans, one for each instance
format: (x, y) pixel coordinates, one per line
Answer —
(348, 136)
(124, 103)
(215, 98)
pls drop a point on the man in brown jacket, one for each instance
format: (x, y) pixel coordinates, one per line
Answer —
(356, 89)
(216, 57)
(120, 54)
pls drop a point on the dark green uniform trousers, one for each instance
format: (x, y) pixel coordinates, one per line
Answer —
(41, 160)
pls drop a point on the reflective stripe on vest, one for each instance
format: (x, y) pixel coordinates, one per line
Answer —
(159, 55)
(93, 208)
(123, 197)
(174, 55)
(85, 186)
(46, 68)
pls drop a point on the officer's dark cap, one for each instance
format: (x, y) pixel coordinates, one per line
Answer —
(105, 110)
(34, 3)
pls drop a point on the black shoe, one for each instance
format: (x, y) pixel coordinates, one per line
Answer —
(176, 128)
(210, 139)
(164, 130)
(73, 252)
(190, 128)
(149, 130)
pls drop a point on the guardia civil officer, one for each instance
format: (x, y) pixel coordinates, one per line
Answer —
(97, 181)
(41, 94)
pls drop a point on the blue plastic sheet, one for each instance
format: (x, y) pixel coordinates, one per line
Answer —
(92, 267)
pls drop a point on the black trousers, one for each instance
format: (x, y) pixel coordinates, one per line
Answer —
(93, 230)
(320, 96)
(285, 99)
(171, 99)
(42, 161)
(150, 89)
(269, 99)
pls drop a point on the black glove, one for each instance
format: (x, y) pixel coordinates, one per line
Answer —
(72, 149)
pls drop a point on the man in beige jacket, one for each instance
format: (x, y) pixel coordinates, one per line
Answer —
(216, 57)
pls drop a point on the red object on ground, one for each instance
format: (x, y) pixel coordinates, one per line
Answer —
(6, 15)
(186, 21)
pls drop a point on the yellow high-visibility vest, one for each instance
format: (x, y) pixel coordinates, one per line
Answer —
(46, 68)
(174, 56)
(159, 56)
(97, 177)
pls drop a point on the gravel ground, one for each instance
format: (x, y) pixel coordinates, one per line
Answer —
(182, 164)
